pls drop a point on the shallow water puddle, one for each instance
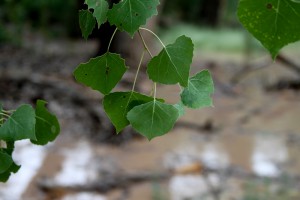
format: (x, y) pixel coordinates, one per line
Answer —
(77, 168)
(84, 196)
(270, 153)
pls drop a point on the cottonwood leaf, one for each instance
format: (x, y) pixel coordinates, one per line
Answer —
(47, 126)
(14, 168)
(100, 8)
(5, 162)
(129, 15)
(20, 125)
(172, 64)
(199, 90)
(101, 73)
(153, 119)
(275, 23)
(87, 23)
(118, 104)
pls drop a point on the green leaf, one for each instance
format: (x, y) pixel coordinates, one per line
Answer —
(47, 126)
(100, 8)
(172, 65)
(87, 23)
(199, 90)
(12, 169)
(275, 23)
(5, 162)
(153, 119)
(101, 73)
(20, 125)
(118, 104)
(129, 15)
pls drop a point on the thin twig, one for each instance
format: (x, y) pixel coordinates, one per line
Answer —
(148, 50)
(112, 37)
(154, 35)
(138, 70)
(144, 44)
(288, 63)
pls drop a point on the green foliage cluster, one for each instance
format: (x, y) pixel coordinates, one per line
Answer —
(148, 115)
(38, 125)
(44, 14)
(190, 11)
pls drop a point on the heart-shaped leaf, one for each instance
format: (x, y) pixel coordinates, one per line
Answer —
(118, 104)
(153, 119)
(129, 15)
(87, 23)
(172, 64)
(275, 23)
(100, 8)
(47, 126)
(101, 73)
(20, 125)
(199, 90)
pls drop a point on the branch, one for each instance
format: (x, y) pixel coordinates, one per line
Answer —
(288, 63)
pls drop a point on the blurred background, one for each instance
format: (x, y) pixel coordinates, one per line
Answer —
(244, 148)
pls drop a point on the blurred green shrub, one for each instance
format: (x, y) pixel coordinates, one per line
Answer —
(212, 13)
(54, 17)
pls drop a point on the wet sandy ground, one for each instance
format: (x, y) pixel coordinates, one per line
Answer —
(245, 147)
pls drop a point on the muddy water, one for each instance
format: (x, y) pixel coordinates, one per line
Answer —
(248, 135)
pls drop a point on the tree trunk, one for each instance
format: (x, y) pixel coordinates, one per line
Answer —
(209, 12)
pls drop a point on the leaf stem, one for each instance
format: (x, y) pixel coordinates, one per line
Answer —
(148, 50)
(138, 70)
(154, 35)
(144, 44)
(5, 115)
(112, 37)
(8, 111)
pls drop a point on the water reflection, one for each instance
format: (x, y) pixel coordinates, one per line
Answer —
(188, 187)
(269, 154)
(215, 157)
(77, 168)
(84, 196)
